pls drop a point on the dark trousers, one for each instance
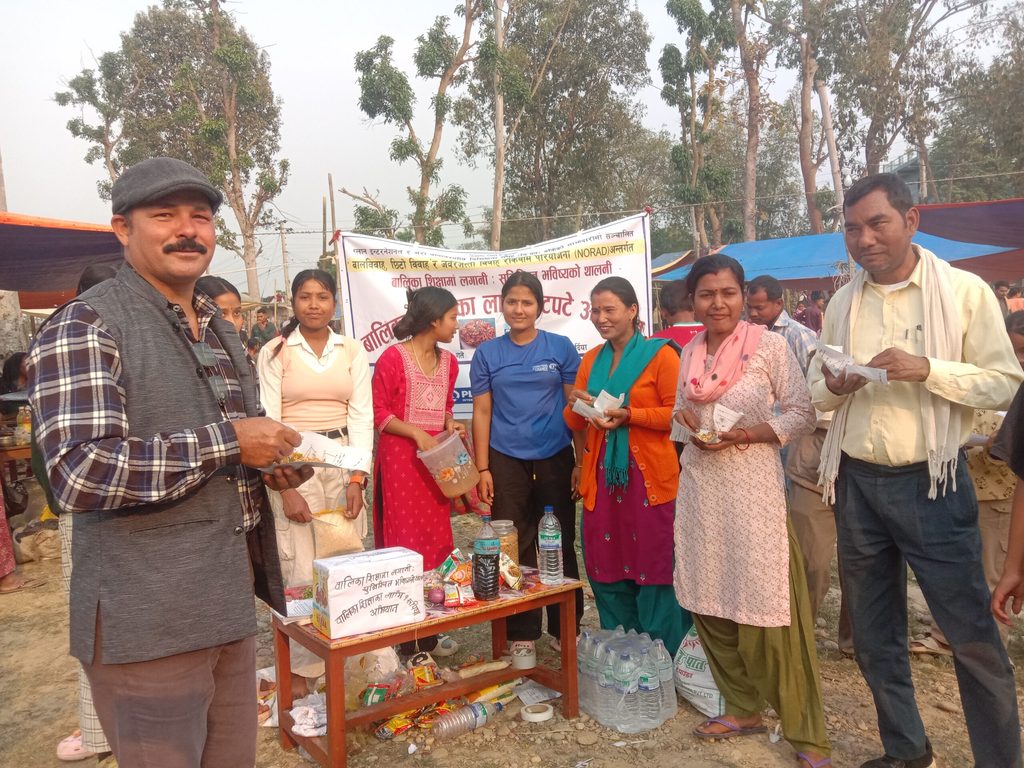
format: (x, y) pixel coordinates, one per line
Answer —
(521, 491)
(192, 710)
(885, 521)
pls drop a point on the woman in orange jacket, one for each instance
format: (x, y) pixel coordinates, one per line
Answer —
(629, 470)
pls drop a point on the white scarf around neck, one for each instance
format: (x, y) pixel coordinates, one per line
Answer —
(943, 340)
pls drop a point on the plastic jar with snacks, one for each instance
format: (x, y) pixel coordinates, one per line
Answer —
(509, 538)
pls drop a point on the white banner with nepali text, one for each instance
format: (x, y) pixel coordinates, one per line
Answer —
(376, 273)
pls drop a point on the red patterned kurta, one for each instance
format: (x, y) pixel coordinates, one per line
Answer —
(408, 508)
(7, 563)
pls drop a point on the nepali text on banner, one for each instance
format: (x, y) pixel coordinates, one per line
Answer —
(377, 272)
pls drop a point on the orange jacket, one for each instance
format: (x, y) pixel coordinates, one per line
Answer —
(651, 400)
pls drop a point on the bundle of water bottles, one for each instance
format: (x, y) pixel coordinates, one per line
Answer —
(625, 679)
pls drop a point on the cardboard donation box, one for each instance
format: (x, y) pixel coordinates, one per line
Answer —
(367, 591)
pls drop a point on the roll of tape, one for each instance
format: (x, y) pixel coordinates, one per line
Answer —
(537, 713)
(524, 656)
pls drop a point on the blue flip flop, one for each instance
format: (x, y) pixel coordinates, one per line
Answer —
(811, 764)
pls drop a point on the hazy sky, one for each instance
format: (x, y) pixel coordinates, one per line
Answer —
(311, 47)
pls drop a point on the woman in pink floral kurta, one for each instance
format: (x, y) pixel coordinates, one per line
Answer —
(413, 388)
(409, 509)
(737, 567)
(732, 551)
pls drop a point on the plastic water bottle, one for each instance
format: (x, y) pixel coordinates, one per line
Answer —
(648, 693)
(486, 552)
(666, 670)
(582, 650)
(607, 698)
(592, 671)
(625, 675)
(549, 542)
(464, 720)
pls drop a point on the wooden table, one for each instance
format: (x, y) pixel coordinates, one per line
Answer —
(331, 750)
(10, 455)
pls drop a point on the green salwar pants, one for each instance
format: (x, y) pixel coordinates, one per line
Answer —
(752, 665)
(652, 609)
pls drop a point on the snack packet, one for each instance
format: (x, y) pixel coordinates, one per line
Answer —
(429, 715)
(374, 693)
(457, 595)
(451, 563)
(462, 575)
(396, 726)
(510, 572)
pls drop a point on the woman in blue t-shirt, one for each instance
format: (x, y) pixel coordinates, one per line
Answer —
(524, 450)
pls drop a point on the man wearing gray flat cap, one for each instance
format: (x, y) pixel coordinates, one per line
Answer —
(148, 419)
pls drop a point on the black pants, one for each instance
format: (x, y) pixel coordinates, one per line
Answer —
(521, 491)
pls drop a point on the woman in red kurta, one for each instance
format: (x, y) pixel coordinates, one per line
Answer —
(413, 389)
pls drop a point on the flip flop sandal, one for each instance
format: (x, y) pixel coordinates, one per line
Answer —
(810, 763)
(28, 584)
(446, 646)
(732, 729)
(930, 646)
(70, 749)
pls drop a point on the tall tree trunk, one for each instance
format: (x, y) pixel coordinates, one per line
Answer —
(499, 130)
(249, 253)
(873, 150)
(702, 244)
(693, 230)
(924, 193)
(428, 162)
(750, 61)
(716, 227)
(808, 169)
(830, 141)
(700, 234)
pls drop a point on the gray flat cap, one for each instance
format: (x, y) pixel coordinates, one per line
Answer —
(156, 178)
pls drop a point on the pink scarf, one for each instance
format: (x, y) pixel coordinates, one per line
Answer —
(730, 361)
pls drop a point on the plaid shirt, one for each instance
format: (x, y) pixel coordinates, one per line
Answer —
(78, 399)
(801, 339)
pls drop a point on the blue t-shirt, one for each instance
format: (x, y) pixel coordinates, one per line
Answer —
(527, 395)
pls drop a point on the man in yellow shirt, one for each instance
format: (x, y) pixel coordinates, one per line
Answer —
(894, 458)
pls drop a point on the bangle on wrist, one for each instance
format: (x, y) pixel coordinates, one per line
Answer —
(485, 469)
(746, 436)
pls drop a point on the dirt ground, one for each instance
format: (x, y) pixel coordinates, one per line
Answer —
(38, 705)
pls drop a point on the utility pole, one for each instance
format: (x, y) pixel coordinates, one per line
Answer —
(337, 255)
(499, 131)
(323, 250)
(284, 255)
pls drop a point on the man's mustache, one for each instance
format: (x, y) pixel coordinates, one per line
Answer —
(185, 245)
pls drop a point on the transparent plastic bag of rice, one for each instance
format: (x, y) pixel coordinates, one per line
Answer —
(334, 534)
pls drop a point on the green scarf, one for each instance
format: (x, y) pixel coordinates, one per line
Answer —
(635, 357)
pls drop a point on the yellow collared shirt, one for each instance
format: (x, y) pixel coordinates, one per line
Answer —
(884, 423)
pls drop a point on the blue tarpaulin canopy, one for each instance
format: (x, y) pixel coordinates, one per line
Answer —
(815, 261)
